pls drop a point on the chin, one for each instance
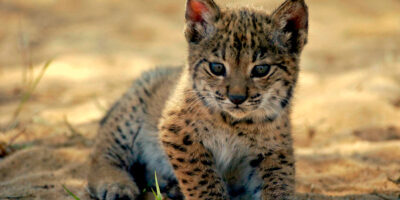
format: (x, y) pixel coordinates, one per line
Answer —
(237, 113)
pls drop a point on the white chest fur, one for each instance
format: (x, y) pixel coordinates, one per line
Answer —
(232, 159)
(229, 152)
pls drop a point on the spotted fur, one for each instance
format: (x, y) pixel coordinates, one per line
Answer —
(202, 144)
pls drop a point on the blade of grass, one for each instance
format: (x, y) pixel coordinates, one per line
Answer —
(157, 195)
(70, 193)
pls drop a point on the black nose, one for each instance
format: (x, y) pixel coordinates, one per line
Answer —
(237, 98)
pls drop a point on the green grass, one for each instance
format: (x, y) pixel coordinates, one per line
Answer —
(157, 194)
(70, 193)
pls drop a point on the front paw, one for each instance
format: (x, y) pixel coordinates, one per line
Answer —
(115, 191)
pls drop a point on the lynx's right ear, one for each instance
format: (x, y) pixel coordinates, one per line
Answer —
(201, 16)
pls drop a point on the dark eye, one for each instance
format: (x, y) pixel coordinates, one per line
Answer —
(260, 71)
(217, 69)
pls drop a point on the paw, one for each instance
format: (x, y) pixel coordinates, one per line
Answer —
(115, 191)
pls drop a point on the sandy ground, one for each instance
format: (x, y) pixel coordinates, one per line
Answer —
(346, 111)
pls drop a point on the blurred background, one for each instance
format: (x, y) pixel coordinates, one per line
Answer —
(64, 62)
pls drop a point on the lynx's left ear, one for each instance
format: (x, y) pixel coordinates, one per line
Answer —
(201, 16)
(292, 17)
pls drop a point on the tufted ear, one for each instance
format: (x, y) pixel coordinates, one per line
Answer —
(292, 17)
(201, 16)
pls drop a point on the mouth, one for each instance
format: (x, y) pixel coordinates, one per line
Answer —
(232, 108)
(237, 108)
(237, 111)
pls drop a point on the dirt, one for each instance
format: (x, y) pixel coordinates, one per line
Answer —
(346, 116)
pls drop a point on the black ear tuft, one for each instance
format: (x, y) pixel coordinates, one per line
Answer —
(200, 18)
(292, 17)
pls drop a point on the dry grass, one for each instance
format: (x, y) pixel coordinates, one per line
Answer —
(29, 89)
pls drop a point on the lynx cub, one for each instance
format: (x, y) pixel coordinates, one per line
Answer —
(218, 128)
